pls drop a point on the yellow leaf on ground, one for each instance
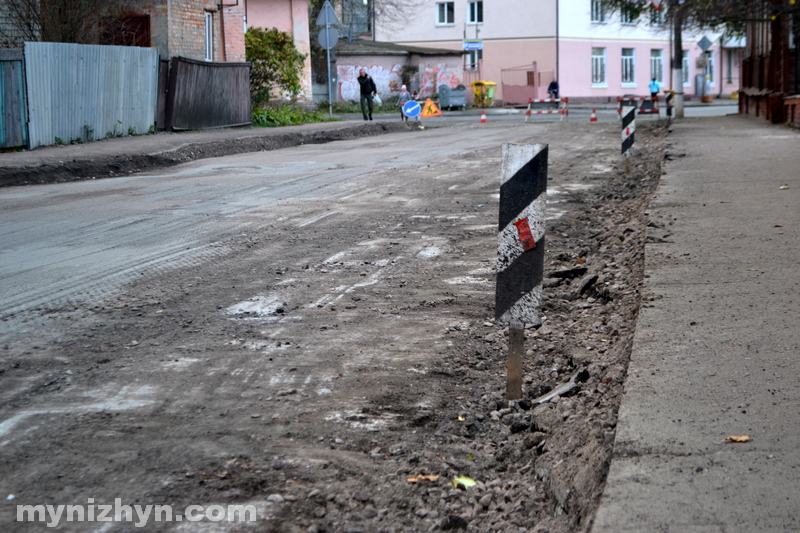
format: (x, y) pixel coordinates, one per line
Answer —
(464, 481)
(422, 477)
(743, 438)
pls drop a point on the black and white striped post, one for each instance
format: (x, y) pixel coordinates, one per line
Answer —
(520, 249)
(628, 130)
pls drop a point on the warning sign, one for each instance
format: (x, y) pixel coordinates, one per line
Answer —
(430, 109)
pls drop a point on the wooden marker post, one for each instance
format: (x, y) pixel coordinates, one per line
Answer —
(520, 249)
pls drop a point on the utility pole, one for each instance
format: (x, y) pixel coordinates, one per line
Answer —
(677, 59)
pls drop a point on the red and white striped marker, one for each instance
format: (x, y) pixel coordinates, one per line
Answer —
(483, 117)
(593, 117)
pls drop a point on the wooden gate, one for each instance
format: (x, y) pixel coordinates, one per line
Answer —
(13, 120)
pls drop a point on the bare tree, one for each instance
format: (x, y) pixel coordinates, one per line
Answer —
(61, 21)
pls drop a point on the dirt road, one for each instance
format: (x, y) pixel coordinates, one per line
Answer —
(326, 343)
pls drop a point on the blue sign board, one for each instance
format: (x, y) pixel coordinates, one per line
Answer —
(411, 109)
(473, 45)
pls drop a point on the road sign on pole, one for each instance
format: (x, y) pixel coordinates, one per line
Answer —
(328, 37)
(704, 43)
(327, 15)
(430, 109)
(412, 109)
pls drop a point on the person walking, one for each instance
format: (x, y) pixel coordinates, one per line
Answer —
(368, 90)
(552, 89)
(654, 87)
(404, 98)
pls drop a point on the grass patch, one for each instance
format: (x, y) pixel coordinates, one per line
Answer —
(350, 106)
(285, 115)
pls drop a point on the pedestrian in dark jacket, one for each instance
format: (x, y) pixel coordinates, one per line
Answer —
(368, 90)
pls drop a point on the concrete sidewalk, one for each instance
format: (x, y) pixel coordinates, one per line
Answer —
(717, 346)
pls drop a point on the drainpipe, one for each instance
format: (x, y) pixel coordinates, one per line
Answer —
(558, 77)
(721, 64)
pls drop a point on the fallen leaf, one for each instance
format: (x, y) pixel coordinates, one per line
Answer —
(743, 438)
(464, 481)
(422, 477)
(461, 418)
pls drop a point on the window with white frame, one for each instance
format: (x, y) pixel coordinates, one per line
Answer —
(685, 68)
(656, 16)
(473, 58)
(598, 11)
(710, 68)
(598, 67)
(729, 66)
(475, 12)
(626, 16)
(657, 65)
(445, 13)
(628, 66)
(209, 31)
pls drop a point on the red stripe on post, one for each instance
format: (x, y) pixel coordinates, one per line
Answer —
(525, 236)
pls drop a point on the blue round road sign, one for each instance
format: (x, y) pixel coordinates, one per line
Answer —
(412, 109)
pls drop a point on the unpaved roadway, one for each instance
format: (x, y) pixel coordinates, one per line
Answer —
(303, 330)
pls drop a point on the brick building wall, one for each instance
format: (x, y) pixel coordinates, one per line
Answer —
(234, 27)
(187, 29)
(178, 27)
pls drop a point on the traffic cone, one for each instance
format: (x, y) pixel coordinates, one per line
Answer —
(593, 118)
(483, 117)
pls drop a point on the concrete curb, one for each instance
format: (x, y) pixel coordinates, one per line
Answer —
(126, 155)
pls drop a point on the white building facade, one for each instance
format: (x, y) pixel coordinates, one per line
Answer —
(595, 55)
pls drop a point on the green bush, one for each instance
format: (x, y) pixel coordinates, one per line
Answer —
(274, 62)
(285, 115)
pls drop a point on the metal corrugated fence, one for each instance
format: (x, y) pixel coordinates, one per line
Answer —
(89, 91)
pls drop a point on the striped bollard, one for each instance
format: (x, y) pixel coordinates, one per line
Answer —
(520, 249)
(628, 130)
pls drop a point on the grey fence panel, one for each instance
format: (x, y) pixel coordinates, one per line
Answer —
(208, 95)
(89, 91)
(13, 121)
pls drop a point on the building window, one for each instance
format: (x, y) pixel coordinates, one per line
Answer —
(209, 36)
(626, 16)
(598, 67)
(656, 16)
(657, 65)
(475, 12)
(729, 78)
(628, 66)
(598, 11)
(710, 69)
(356, 16)
(445, 13)
(473, 57)
(685, 68)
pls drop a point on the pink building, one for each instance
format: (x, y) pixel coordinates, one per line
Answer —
(596, 56)
(290, 16)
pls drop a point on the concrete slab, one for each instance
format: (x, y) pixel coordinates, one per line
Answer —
(717, 346)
